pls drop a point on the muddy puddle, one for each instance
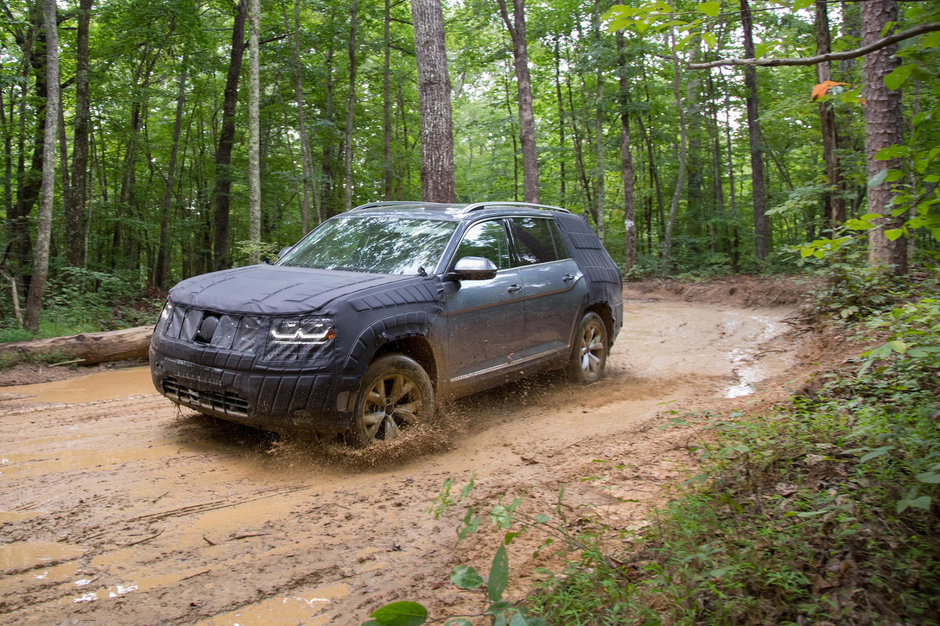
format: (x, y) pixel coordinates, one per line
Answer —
(119, 507)
(121, 383)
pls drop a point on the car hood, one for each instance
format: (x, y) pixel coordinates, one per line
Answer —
(273, 290)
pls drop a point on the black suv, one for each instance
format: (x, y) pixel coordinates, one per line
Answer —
(377, 313)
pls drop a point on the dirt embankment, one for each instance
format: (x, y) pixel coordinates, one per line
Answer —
(117, 507)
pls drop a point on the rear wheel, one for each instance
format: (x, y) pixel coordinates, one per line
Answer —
(589, 353)
(395, 394)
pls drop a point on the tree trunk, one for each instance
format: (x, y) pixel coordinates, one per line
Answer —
(561, 126)
(761, 226)
(437, 139)
(626, 161)
(254, 132)
(520, 55)
(387, 102)
(76, 206)
(599, 129)
(223, 155)
(680, 181)
(834, 198)
(162, 272)
(351, 104)
(41, 258)
(89, 348)
(883, 128)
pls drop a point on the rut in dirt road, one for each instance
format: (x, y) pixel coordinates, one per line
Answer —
(126, 509)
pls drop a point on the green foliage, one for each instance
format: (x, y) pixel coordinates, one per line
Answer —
(802, 515)
(492, 587)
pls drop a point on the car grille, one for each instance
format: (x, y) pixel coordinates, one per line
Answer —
(226, 402)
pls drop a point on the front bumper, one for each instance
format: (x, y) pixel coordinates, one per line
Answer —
(279, 401)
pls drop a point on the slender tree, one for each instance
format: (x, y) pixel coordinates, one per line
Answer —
(37, 284)
(437, 139)
(520, 56)
(759, 195)
(254, 131)
(223, 154)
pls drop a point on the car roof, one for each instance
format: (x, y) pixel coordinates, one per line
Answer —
(452, 211)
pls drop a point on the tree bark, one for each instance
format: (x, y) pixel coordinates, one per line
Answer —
(76, 205)
(437, 139)
(599, 130)
(883, 128)
(223, 155)
(761, 226)
(520, 55)
(37, 283)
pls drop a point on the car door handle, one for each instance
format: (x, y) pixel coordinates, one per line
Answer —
(569, 278)
(513, 288)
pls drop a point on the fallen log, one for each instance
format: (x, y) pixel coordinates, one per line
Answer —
(86, 348)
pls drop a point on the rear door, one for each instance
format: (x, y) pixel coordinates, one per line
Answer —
(554, 285)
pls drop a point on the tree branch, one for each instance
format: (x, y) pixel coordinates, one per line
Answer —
(822, 58)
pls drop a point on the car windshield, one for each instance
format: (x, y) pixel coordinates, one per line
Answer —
(378, 244)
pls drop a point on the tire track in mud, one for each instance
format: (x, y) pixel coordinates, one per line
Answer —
(130, 510)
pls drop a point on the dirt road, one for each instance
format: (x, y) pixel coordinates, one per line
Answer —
(115, 507)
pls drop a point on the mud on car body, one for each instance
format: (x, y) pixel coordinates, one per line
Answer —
(362, 325)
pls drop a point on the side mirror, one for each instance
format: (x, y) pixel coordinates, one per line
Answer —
(474, 268)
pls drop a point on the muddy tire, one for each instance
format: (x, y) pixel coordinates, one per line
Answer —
(589, 352)
(395, 393)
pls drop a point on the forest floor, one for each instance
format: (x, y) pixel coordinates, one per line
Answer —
(118, 507)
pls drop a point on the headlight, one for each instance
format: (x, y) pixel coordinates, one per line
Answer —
(298, 339)
(315, 331)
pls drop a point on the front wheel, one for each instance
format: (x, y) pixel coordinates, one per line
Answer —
(589, 353)
(395, 393)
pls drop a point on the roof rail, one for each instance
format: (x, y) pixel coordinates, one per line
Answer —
(383, 204)
(478, 206)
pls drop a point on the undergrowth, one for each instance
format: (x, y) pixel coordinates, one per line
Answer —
(823, 511)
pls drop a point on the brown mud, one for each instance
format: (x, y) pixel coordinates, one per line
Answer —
(116, 507)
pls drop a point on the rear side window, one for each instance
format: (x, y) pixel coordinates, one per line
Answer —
(536, 240)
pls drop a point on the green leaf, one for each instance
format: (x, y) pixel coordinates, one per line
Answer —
(499, 575)
(877, 179)
(875, 453)
(542, 518)
(802, 4)
(859, 225)
(400, 614)
(893, 152)
(458, 621)
(711, 9)
(894, 175)
(898, 76)
(931, 478)
(710, 40)
(893, 233)
(465, 577)
(922, 503)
